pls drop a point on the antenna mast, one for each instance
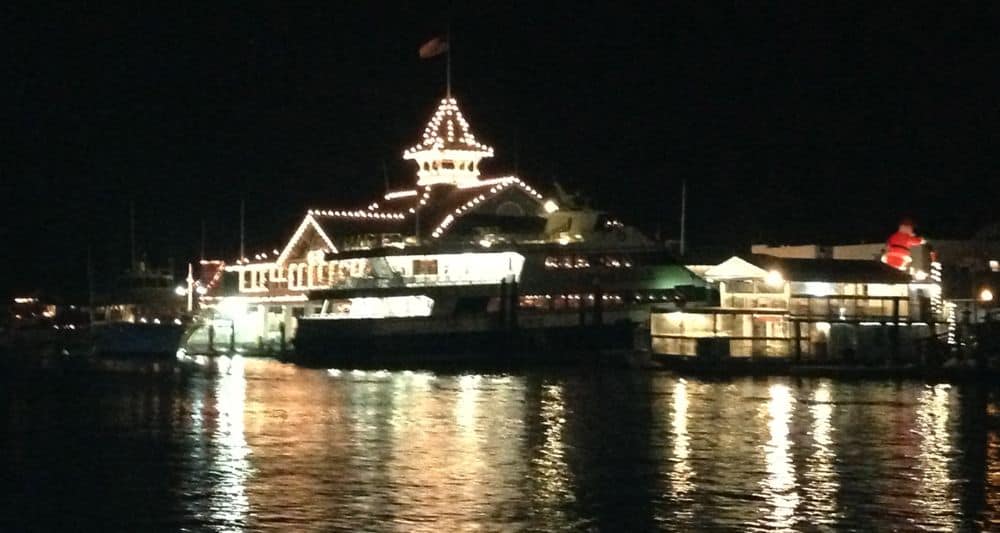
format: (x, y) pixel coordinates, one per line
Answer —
(131, 234)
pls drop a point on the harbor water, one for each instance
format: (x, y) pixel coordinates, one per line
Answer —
(230, 444)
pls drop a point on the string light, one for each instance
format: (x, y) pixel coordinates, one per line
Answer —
(448, 153)
(308, 221)
(357, 214)
(399, 194)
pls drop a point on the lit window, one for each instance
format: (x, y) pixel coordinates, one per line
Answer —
(427, 267)
(994, 265)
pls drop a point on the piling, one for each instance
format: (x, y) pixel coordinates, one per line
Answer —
(503, 302)
(281, 338)
(894, 333)
(512, 304)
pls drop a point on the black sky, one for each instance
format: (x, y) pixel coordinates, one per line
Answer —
(791, 124)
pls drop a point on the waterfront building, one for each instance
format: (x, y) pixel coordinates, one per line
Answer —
(444, 247)
(803, 309)
(968, 269)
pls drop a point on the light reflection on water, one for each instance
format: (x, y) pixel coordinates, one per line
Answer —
(780, 487)
(247, 444)
(820, 483)
(229, 503)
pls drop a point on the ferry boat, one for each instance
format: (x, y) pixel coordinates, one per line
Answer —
(458, 267)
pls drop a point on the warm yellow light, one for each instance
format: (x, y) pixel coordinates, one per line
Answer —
(774, 278)
(986, 295)
(550, 206)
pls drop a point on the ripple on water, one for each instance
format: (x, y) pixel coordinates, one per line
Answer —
(256, 444)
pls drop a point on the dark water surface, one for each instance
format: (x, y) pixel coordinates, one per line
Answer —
(251, 444)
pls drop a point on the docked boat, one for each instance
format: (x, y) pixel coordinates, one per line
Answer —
(459, 267)
(142, 315)
(532, 313)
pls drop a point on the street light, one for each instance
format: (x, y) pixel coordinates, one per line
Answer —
(986, 295)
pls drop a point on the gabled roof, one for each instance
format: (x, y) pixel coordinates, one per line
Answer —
(735, 268)
(446, 205)
(438, 209)
(308, 223)
(336, 226)
(448, 130)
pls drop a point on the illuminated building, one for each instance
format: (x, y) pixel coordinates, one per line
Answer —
(962, 267)
(457, 244)
(807, 309)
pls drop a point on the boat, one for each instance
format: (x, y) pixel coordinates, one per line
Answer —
(33, 326)
(142, 315)
(533, 315)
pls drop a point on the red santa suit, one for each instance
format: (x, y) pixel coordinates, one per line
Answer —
(897, 248)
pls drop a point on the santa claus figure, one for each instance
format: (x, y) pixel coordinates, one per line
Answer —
(897, 248)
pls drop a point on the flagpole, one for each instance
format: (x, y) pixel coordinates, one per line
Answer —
(447, 75)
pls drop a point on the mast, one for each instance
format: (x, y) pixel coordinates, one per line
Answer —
(131, 234)
(243, 212)
(683, 215)
(90, 284)
(203, 239)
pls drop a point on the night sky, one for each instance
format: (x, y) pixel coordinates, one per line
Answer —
(789, 124)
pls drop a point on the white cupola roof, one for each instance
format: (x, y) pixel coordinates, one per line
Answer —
(448, 153)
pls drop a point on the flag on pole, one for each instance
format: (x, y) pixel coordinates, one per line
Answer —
(433, 47)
